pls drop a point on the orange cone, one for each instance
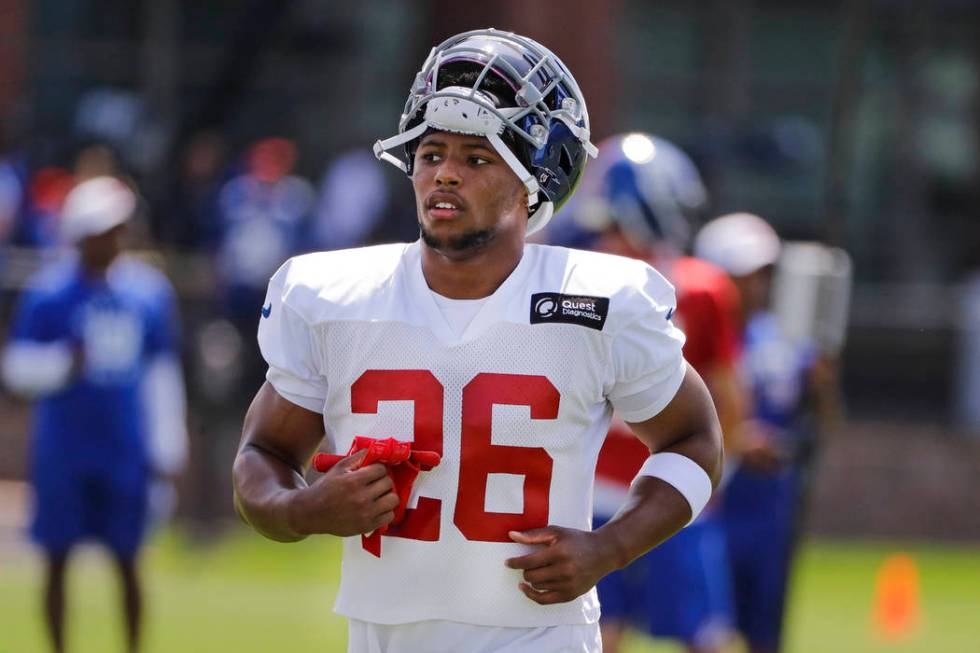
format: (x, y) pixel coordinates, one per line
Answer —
(897, 608)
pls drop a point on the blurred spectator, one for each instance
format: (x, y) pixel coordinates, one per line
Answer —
(11, 197)
(761, 501)
(191, 217)
(39, 223)
(353, 199)
(91, 340)
(264, 213)
(642, 197)
(12, 188)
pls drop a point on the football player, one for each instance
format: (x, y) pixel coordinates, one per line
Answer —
(787, 377)
(642, 198)
(92, 339)
(482, 368)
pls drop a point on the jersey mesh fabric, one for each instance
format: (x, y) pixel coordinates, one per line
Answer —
(378, 326)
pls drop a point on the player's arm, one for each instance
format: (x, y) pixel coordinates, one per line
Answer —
(271, 493)
(713, 333)
(38, 361)
(571, 562)
(655, 509)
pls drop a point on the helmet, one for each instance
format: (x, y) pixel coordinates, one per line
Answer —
(547, 128)
(94, 207)
(738, 243)
(645, 185)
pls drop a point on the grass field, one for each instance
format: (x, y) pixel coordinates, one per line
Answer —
(246, 595)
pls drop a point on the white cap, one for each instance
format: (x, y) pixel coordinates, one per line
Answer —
(739, 243)
(94, 207)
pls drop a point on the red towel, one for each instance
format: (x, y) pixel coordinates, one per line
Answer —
(404, 465)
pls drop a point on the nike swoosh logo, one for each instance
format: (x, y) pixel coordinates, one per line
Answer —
(267, 310)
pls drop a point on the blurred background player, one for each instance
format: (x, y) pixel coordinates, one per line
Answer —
(641, 198)
(788, 380)
(264, 214)
(91, 340)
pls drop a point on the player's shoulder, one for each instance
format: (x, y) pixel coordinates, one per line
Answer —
(310, 282)
(52, 281)
(696, 272)
(139, 275)
(632, 286)
(696, 277)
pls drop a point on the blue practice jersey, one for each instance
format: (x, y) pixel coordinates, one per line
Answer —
(120, 323)
(777, 369)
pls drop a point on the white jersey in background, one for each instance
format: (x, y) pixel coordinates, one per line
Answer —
(518, 403)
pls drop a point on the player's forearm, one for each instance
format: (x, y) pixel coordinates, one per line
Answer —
(264, 487)
(655, 510)
(36, 369)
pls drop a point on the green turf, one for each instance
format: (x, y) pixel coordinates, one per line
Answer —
(247, 595)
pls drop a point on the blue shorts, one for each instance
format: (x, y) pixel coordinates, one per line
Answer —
(74, 502)
(680, 590)
(759, 513)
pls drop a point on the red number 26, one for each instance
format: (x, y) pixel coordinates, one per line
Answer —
(478, 456)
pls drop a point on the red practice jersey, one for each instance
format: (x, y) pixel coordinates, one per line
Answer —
(707, 309)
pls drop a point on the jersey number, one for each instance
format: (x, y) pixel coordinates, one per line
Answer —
(479, 457)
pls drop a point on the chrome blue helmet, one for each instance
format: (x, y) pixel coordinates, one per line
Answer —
(541, 132)
(645, 185)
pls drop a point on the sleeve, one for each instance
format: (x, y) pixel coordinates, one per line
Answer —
(646, 355)
(287, 345)
(712, 335)
(35, 361)
(165, 411)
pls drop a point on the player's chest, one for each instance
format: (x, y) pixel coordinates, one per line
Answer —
(574, 360)
(391, 379)
(110, 330)
(511, 414)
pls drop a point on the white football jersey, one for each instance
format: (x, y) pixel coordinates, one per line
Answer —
(518, 405)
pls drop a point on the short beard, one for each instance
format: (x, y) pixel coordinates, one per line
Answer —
(470, 241)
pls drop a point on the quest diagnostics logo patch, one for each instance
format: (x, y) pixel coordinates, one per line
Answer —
(556, 308)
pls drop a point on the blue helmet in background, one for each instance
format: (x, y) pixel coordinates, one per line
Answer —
(646, 186)
(542, 132)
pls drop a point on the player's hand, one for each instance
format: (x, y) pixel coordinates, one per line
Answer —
(345, 501)
(759, 449)
(567, 564)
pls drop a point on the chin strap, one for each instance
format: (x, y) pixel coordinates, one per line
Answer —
(540, 217)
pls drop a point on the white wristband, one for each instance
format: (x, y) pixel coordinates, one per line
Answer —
(688, 477)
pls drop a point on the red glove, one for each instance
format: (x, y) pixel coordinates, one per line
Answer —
(404, 465)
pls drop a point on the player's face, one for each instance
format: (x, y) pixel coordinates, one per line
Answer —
(98, 252)
(753, 289)
(467, 197)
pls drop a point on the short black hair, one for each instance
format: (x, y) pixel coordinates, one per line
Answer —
(465, 73)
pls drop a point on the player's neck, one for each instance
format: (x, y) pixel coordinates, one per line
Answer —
(472, 277)
(95, 270)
